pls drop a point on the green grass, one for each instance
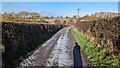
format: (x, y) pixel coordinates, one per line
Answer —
(96, 55)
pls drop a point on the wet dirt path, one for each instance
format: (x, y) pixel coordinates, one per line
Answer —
(60, 55)
(57, 51)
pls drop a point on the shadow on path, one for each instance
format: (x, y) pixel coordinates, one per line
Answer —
(77, 57)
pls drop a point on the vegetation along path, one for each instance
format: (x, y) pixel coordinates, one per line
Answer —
(57, 51)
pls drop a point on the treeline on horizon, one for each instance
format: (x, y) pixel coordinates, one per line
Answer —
(22, 16)
(25, 16)
(29, 17)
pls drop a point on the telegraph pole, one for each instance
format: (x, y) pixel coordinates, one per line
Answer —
(78, 12)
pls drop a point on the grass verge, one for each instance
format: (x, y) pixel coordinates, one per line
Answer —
(96, 55)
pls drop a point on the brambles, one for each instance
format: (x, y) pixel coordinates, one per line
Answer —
(103, 33)
(21, 39)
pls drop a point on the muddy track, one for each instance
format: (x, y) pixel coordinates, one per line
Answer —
(57, 51)
(60, 55)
